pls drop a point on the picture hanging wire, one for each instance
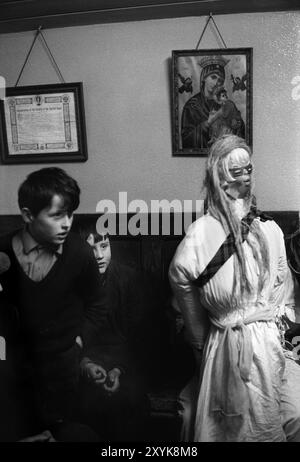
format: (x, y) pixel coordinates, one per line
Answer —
(209, 19)
(40, 34)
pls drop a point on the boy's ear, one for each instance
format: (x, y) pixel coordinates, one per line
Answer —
(27, 215)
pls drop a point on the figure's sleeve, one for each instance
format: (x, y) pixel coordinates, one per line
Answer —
(183, 270)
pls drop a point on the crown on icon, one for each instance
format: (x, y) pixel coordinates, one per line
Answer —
(219, 62)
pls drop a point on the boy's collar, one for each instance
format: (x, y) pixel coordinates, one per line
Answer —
(29, 243)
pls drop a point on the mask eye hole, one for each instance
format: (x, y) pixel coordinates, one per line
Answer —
(235, 172)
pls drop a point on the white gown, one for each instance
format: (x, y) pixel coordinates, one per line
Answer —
(262, 420)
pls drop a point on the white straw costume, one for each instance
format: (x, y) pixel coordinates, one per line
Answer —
(238, 395)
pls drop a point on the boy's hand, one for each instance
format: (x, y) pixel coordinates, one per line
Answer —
(112, 383)
(45, 437)
(94, 372)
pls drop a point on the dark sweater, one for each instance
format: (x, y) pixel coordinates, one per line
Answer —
(51, 311)
(127, 339)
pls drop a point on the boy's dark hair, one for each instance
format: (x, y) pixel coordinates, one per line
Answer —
(86, 229)
(37, 191)
(100, 237)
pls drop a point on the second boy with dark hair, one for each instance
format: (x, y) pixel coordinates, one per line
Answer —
(116, 356)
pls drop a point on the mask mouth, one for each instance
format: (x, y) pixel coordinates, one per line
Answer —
(246, 182)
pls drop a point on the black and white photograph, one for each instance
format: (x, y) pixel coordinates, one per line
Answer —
(149, 227)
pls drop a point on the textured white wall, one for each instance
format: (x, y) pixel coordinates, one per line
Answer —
(125, 71)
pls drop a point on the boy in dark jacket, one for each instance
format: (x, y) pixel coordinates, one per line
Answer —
(114, 397)
(53, 278)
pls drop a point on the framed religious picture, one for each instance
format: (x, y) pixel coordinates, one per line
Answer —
(43, 124)
(211, 96)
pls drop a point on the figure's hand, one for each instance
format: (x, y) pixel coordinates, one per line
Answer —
(112, 383)
(94, 372)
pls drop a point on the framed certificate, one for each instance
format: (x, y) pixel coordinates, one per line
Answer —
(43, 124)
